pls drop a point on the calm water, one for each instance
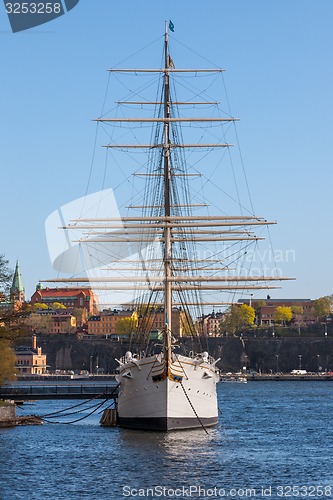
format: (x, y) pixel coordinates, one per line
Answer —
(270, 435)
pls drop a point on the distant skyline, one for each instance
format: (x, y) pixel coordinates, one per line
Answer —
(279, 77)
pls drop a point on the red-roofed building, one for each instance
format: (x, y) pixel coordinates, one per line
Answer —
(73, 298)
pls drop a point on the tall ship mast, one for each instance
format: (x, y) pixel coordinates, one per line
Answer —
(159, 254)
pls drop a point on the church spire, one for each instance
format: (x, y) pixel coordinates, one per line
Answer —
(17, 290)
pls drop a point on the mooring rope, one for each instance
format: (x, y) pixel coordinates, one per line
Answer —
(71, 412)
(78, 419)
(195, 413)
(71, 407)
(64, 412)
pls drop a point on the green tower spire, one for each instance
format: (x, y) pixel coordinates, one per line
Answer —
(17, 289)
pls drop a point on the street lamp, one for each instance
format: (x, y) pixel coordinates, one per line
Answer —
(277, 363)
(325, 329)
(245, 367)
(91, 358)
(318, 356)
(300, 361)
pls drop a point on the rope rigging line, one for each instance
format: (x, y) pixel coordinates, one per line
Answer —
(137, 52)
(239, 148)
(194, 411)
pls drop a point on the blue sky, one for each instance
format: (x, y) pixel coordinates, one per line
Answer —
(278, 60)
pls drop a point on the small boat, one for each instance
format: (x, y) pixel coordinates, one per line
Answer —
(234, 379)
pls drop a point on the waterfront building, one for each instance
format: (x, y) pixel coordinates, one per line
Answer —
(30, 360)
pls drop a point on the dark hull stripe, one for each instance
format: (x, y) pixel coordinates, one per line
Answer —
(164, 423)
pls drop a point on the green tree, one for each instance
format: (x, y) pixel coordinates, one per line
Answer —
(237, 318)
(39, 305)
(126, 326)
(283, 314)
(322, 306)
(297, 312)
(58, 305)
(187, 327)
(81, 315)
(7, 365)
(257, 304)
(11, 327)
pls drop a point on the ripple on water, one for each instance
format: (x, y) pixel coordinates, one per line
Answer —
(269, 433)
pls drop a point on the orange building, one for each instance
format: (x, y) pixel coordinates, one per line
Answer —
(105, 322)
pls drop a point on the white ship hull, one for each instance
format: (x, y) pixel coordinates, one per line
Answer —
(184, 399)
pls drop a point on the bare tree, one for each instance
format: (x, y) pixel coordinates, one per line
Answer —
(6, 276)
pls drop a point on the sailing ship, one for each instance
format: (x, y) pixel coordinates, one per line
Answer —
(171, 384)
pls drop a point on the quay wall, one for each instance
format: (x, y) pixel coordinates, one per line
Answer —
(7, 414)
(264, 355)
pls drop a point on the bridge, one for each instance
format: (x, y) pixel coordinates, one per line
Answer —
(39, 392)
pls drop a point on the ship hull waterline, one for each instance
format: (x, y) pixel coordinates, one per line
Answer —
(165, 424)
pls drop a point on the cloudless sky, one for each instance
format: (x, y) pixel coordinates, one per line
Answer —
(278, 60)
